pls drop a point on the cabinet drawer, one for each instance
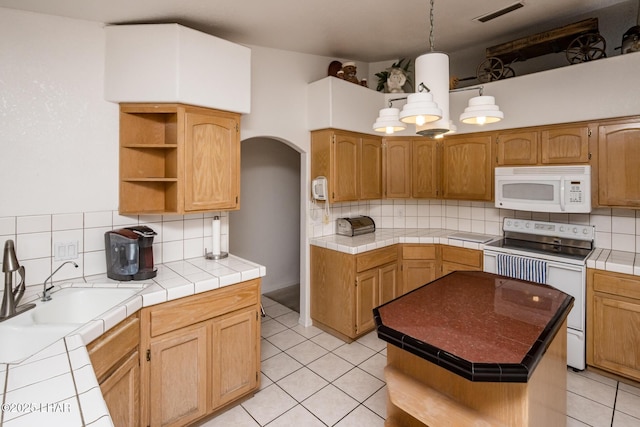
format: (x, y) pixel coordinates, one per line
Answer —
(113, 346)
(617, 284)
(419, 252)
(190, 310)
(470, 257)
(376, 258)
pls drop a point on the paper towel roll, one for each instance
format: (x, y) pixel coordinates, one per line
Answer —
(215, 235)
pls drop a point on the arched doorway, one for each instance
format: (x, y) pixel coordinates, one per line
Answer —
(266, 229)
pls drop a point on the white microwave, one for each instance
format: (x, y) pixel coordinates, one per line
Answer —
(544, 188)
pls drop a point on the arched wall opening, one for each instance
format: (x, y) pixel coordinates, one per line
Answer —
(267, 227)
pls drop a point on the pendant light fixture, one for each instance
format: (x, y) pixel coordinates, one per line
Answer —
(428, 108)
(432, 70)
(481, 110)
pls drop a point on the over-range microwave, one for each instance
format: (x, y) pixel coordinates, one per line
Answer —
(544, 188)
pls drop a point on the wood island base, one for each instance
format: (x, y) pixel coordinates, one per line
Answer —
(421, 393)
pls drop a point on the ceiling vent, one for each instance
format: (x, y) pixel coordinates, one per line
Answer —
(497, 13)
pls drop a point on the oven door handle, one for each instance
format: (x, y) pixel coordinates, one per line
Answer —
(562, 193)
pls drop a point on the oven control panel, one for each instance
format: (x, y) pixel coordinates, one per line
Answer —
(556, 229)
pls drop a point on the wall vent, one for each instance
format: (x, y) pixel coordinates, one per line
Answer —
(497, 13)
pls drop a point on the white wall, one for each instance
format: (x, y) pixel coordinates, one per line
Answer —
(266, 229)
(59, 138)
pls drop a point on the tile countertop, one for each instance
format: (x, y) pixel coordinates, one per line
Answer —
(616, 261)
(601, 259)
(390, 236)
(57, 385)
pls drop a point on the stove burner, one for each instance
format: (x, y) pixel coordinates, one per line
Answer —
(569, 252)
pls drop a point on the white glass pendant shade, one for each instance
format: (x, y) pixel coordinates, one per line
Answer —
(481, 110)
(420, 109)
(388, 121)
(433, 70)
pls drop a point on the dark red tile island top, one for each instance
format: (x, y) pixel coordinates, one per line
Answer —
(478, 325)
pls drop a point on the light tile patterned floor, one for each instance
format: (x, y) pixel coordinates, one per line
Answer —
(310, 378)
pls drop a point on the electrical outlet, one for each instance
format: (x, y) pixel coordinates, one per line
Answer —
(66, 250)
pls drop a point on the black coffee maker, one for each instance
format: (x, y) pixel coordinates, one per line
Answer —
(129, 253)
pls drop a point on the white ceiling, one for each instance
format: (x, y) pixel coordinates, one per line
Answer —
(369, 31)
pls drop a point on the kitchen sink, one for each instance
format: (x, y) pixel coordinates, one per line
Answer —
(79, 305)
(69, 309)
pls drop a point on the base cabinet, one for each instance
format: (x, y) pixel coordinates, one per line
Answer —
(201, 353)
(178, 377)
(613, 323)
(345, 288)
(115, 360)
(419, 266)
(462, 259)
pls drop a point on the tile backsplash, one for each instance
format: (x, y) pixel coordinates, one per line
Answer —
(178, 237)
(617, 229)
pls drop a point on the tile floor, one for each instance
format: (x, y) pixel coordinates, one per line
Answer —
(310, 378)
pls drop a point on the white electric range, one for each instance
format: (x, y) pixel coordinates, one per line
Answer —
(551, 253)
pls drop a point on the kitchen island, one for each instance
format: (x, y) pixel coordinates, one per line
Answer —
(475, 348)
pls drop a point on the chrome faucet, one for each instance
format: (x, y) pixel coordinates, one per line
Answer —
(11, 296)
(45, 292)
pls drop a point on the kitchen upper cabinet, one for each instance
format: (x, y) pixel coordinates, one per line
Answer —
(613, 322)
(425, 168)
(212, 162)
(370, 168)
(467, 168)
(412, 167)
(351, 162)
(199, 354)
(618, 174)
(547, 145)
(397, 168)
(517, 148)
(176, 158)
(565, 145)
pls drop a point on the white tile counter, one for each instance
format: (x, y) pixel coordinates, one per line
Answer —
(616, 261)
(390, 236)
(58, 387)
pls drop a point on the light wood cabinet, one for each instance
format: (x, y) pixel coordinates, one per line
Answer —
(563, 144)
(517, 148)
(345, 288)
(613, 322)
(351, 162)
(419, 266)
(115, 360)
(618, 174)
(176, 158)
(456, 258)
(201, 353)
(467, 168)
(397, 163)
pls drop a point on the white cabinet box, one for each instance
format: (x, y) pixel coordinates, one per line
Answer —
(172, 63)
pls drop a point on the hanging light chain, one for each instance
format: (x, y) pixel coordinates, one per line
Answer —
(431, 38)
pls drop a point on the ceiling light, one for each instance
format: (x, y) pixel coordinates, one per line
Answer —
(389, 121)
(420, 108)
(481, 110)
(428, 108)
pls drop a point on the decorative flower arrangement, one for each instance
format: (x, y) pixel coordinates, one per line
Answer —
(396, 79)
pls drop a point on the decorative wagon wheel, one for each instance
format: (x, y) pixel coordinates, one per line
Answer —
(508, 73)
(490, 69)
(587, 47)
